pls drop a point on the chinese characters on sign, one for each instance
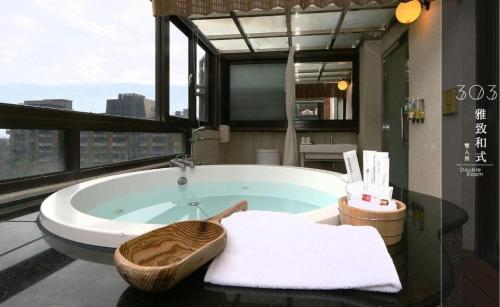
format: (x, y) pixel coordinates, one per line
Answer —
(476, 93)
(480, 136)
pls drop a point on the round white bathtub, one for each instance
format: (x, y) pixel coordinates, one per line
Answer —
(109, 210)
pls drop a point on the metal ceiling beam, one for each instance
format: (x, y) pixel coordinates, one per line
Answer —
(339, 24)
(335, 32)
(301, 33)
(263, 13)
(240, 29)
(288, 26)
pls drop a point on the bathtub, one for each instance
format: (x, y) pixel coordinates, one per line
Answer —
(110, 210)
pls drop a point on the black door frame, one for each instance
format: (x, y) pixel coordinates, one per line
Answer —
(487, 201)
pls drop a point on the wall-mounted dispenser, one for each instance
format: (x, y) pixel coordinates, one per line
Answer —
(414, 110)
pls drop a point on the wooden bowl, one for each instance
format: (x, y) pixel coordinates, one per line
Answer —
(159, 259)
(390, 225)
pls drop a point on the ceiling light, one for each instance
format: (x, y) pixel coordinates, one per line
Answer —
(408, 12)
(342, 85)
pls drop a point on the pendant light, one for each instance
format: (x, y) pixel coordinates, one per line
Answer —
(342, 85)
(408, 12)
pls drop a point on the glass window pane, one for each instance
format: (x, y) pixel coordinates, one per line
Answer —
(26, 152)
(269, 44)
(202, 75)
(230, 45)
(253, 25)
(261, 98)
(368, 19)
(223, 26)
(179, 73)
(316, 21)
(104, 147)
(75, 55)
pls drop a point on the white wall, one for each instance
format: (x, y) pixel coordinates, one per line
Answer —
(425, 73)
(243, 145)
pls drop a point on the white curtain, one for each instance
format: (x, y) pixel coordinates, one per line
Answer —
(290, 153)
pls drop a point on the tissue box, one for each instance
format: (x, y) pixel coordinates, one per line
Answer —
(390, 225)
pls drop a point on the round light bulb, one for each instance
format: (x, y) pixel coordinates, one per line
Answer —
(342, 85)
(408, 12)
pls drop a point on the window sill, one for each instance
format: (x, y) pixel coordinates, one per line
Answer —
(10, 201)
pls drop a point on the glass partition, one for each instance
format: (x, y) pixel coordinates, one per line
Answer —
(30, 152)
(105, 147)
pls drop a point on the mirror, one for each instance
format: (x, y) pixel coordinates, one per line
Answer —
(323, 90)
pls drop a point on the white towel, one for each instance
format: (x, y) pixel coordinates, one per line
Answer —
(285, 251)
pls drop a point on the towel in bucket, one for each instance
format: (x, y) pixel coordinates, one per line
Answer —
(285, 251)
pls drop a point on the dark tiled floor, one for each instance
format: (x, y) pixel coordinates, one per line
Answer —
(480, 283)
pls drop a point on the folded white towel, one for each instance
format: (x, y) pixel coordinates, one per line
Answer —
(281, 250)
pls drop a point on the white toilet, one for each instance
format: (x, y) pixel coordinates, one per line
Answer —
(268, 156)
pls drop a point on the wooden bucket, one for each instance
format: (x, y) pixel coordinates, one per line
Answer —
(390, 225)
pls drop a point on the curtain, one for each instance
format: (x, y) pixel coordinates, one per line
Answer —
(290, 152)
(205, 7)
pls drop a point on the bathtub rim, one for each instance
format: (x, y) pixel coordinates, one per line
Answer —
(59, 217)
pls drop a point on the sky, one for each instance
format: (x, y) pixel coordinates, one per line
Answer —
(83, 50)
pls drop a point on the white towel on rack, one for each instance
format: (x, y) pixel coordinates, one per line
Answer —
(284, 251)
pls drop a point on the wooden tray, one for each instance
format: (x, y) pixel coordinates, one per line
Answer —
(390, 225)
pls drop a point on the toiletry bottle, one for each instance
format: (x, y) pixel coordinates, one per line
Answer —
(410, 110)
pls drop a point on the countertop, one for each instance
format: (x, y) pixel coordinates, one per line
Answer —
(38, 269)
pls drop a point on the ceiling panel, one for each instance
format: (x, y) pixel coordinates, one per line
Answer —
(312, 41)
(228, 45)
(367, 19)
(266, 24)
(347, 40)
(222, 26)
(317, 21)
(271, 43)
(339, 65)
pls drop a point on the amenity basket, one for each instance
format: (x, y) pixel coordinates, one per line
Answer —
(390, 225)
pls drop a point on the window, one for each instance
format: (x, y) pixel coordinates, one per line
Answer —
(76, 55)
(179, 73)
(202, 75)
(26, 152)
(104, 147)
(326, 91)
(262, 98)
(80, 75)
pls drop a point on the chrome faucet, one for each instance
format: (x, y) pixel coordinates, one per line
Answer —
(181, 162)
(198, 130)
(331, 137)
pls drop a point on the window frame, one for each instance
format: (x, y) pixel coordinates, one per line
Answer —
(71, 123)
(336, 55)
